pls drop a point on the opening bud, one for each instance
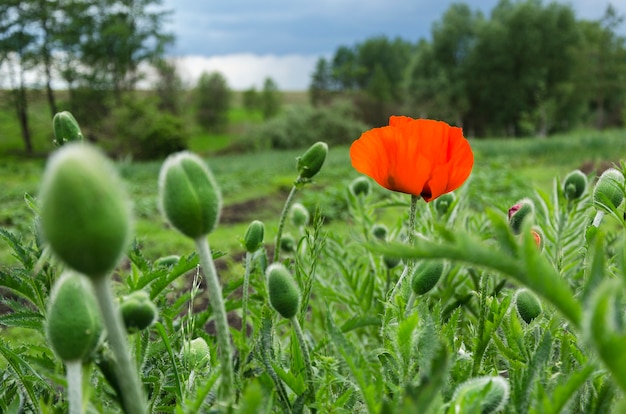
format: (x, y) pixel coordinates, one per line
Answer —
(426, 276)
(65, 128)
(312, 160)
(574, 185)
(253, 239)
(522, 210)
(609, 190)
(85, 214)
(188, 194)
(282, 290)
(138, 311)
(527, 304)
(360, 186)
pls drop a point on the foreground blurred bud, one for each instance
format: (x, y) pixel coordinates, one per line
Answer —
(65, 128)
(360, 186)
(85, 214)
(312, 160)
(488, 394)
(282, 290)
(426, 276)
(574, 184)
(299, 215)
(522, 210)
(609, 188)
(138, 311)
(443, 202)
(528, 305)
(196, 353)
(253, 239)
(73, 326)
(189, 196)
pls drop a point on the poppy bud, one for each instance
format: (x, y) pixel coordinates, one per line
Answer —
(312, 160)
(287, 243)
(299, 215)
(522, 210)
(253, 239)
(73, 327)
(528, 305)
(443, 202)
(426, 276)
(85, 214)
(138, 311)
(360, 186)
(391, 261)
(609, 188)
(379, 231)
(196, 353)
(65, 128)
(491, 393)
(538, 235)
(282, 290)
(189, 196)
(574, 185)
(167, 261)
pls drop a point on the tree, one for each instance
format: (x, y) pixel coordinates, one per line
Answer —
(251, 99)
(212, 101)
(270, 99)
(320, 90)
(168, 86)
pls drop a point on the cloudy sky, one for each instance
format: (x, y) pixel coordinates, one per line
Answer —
(249, 40)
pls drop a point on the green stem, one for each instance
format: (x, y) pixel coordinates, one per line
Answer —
(244, 307)
(219, 311)
(74, 374)
(408, 264)
(283, 218)
(307, 358)
(410, 303)
(127, 376)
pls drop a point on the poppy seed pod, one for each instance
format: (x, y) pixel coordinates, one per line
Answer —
(312, 160)
(189, 196)
(138, 311)
(527, 304)
(360, 186)
(426, 276)
(253, 239)
(299, 215)
(443, 202)
(282, 290)
(196, 353)
(522, 210)
(73, 326)
(609, 188)
(574, 185)
(85, 214)
(65, 128)
(491, 394)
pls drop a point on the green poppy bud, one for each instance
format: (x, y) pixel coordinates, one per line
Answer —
(609, 188)
(522, 210)
(85, 214)
(196, 353)
(312, 160)
(443, 202)
(360, 186)
(391, 261)
(65, 128)
(283, 292)
(253, 239)
(574, 185)
(73, 326)
(528, 305)
(488, 394)
(299, 215)
(167, 261)
(426, 276)
(379, 231)
(287, 243)
(189, 196)
(138, 311)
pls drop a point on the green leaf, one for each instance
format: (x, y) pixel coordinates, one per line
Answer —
(23, 319)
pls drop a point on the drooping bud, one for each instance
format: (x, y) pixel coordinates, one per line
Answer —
(527, 304)
(360, 186)
(73, 327)
(253, 239)
(574, 185)
(312, 160)
(65, 128)
(379, 231)
(282, 290)
(485, 395)
(189, 196)
(299, 215)
(138, 311)
(443, 202)
(609, 189)
(196, 353)
(522, 210)
(426, 276)
(85, 214)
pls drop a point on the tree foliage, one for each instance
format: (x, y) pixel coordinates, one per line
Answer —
(213, 99)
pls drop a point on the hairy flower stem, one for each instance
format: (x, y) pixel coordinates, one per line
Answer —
(244, 305)
(125, 369)
(283, 218)
(74, 374)
(410, 303)
(307, 358)
(408, 265)
(219, 311)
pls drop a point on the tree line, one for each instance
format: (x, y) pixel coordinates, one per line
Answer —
(527, 69)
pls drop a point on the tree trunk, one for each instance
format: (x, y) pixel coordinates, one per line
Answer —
(49, 92)
(21, 107)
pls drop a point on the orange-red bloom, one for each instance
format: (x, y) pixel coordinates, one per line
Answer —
(421, 157)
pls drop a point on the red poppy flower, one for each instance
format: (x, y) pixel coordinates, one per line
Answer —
(421, 157)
